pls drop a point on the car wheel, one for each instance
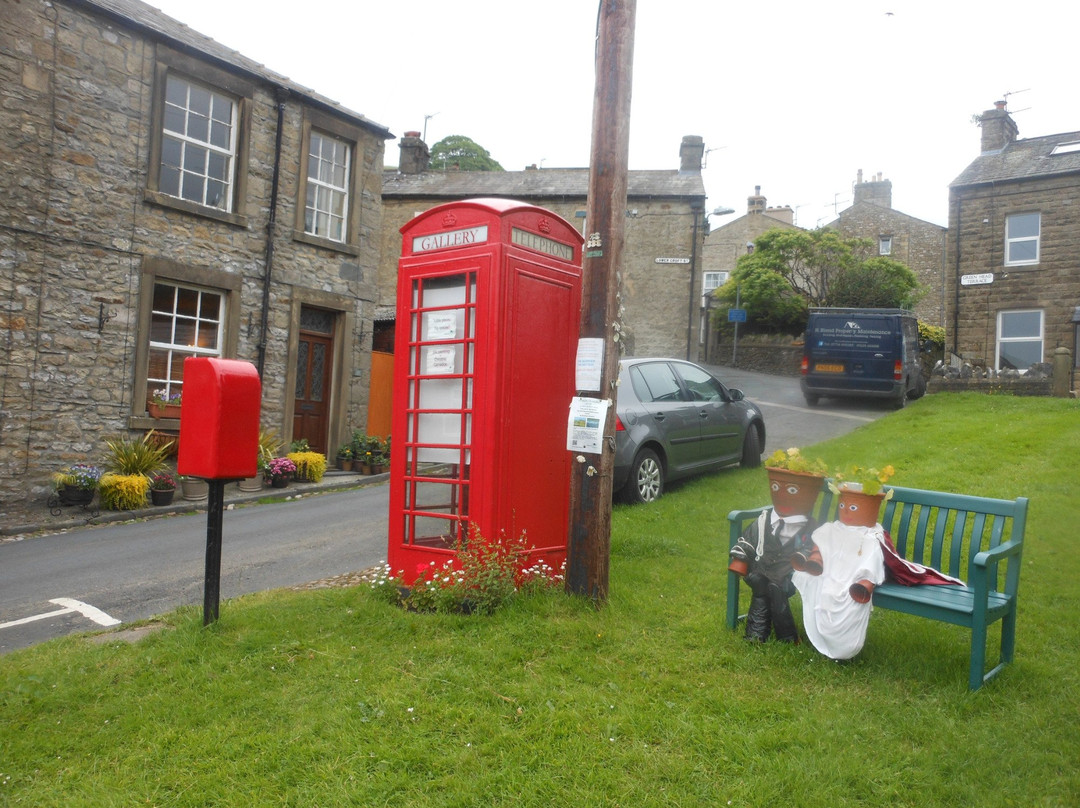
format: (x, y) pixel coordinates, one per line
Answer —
(751, 449)
(811, 400)
(900, 401)
(646, 482)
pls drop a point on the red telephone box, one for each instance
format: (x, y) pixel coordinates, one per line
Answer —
(488, 310)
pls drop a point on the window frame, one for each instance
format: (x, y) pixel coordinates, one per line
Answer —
(999, 339)
(885, 245)
(1010, 241)
(241, 91)
(344, 190)
(163, 270)
(352, 136)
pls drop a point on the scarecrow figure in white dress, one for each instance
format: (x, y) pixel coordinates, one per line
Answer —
(836, 595)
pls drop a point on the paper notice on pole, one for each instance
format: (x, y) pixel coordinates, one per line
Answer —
(585, 427)
(590, 361)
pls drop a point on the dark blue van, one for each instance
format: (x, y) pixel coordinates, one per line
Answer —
(870, 353)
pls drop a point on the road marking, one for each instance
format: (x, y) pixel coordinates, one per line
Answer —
(814, 411)
(70, 605)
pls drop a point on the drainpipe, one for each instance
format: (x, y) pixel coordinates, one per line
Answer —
(956, 287)
(281, 95)
(690, 306)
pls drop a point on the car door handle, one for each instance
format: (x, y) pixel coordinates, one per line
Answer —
(659, 416)
(704, 414)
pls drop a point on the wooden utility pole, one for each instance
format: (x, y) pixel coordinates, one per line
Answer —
(591, 476)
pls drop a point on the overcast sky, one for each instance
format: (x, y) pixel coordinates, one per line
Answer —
(793, 95)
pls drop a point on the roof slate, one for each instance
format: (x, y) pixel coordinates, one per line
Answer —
(535, 184)
(157, 22)
(1022, 159)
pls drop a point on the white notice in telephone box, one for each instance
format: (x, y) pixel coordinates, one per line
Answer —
(585, 427)
(440, 361)
(441, 325)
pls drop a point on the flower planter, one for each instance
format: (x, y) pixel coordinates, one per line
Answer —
(279, 482)
(858, 509)
(73, 495)
(251, 483)
(163, 410)
(794, 492)
(345, 464)
(195, 489)
(162, 496)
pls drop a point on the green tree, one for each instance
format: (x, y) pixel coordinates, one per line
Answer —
(465, 154)
(792, 270)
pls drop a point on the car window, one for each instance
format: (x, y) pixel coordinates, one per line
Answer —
(655, 381)
(702, 386)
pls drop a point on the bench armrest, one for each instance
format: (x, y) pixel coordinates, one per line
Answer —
(736, 520)
(985, 565)
(987, 557)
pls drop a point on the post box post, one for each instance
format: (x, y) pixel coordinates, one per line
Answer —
(219, 441)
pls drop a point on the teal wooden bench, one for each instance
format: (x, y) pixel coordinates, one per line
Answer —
(975, 539)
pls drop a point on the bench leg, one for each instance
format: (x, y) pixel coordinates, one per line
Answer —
(733, 580)
(978, 652)
(1008, 635)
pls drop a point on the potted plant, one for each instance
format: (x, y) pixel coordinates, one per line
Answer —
(279, 471)
(380, 463)
(163, 404)
(162, 488)
(76, 484)
(310, 466)
(123, 492)
(269, 443)
(130, 463)
(194, 489)
(345, 457)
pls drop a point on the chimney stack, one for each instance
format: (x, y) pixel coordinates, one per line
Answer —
(414, 154)
(998, 128)
(755, 203)
(877, 190)
(691, 153)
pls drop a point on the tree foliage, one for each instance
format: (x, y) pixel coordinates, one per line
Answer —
(464, 154)
(791, 270)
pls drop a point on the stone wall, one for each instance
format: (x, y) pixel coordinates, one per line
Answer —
(83, 234)
(977, 221)
(918, 245)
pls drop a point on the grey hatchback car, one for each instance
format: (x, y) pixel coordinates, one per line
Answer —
(674, 419)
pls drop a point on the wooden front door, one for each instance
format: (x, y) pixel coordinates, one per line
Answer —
(314, 363)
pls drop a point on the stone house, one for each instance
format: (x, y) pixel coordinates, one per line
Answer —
(1012, 290)
(163, 197)
(665, 227)
(721, 251)
(917, 244)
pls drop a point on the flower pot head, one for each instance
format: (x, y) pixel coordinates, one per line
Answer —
(857, 509)
(793, 492)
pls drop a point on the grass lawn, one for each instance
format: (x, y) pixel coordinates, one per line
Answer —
(330, 698)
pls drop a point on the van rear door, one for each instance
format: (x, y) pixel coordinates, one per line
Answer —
(856, 352)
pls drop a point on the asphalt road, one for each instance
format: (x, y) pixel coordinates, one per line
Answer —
(94, 576)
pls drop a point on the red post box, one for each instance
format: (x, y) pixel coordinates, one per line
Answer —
(488, 311)
(219, 419)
